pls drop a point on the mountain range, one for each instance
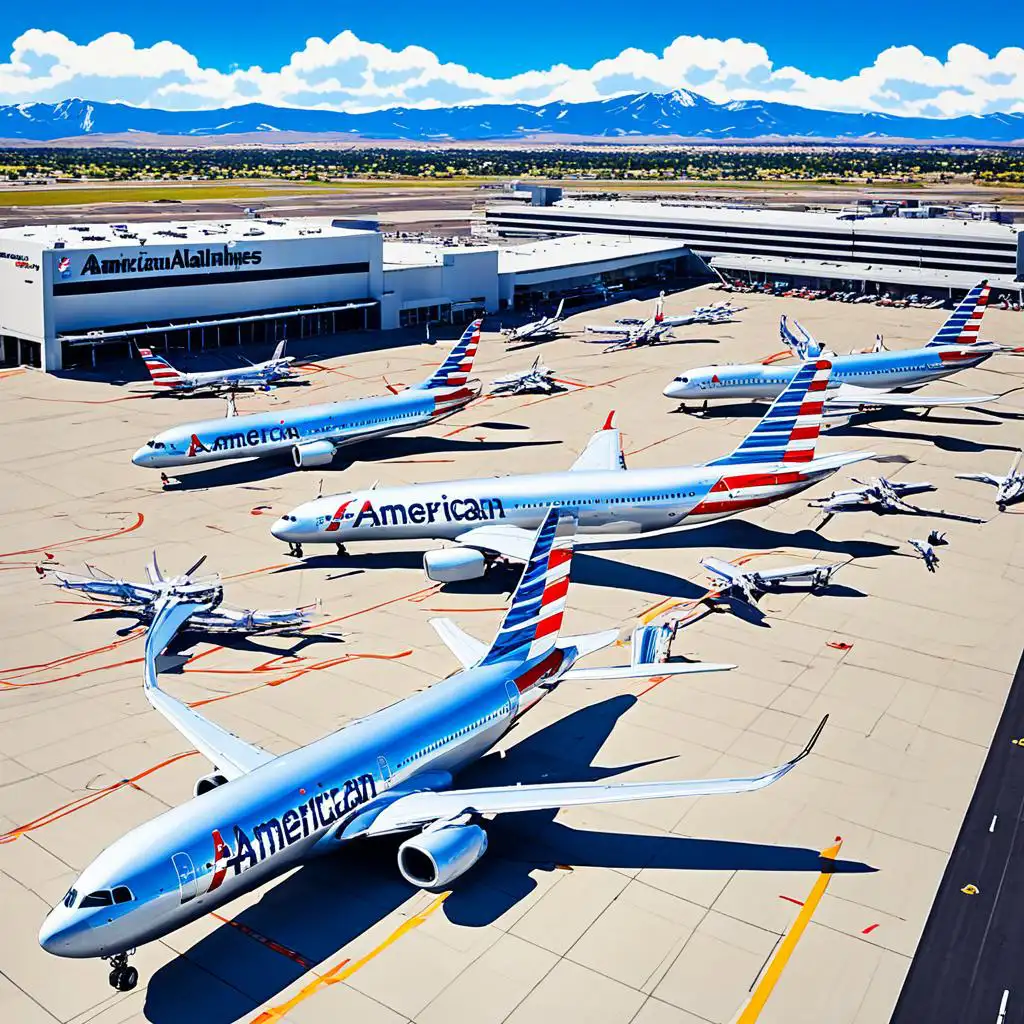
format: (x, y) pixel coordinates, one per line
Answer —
(641, 116)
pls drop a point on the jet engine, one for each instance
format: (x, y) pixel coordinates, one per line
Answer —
(440, 853)
(451, 565)
(207, 782)
(313, 453)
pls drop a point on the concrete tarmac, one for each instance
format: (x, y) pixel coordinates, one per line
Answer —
(655, 913)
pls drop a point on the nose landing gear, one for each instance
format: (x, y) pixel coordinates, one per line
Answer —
(294, 550)
(122, 977)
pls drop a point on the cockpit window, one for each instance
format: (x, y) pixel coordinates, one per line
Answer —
(69, 899)
(155, 444)
(682, 380)
(122, 894)
(100, 898)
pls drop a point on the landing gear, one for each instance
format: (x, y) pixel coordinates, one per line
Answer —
(295, 550)
(342, 552)
(122, 977)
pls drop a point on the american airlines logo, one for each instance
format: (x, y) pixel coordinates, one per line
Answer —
(243, 439)
(183, 259)
(454, 510)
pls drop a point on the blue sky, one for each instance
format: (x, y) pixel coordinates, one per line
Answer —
(892, 56)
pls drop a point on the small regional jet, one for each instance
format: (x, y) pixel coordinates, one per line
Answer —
(313, 434)
(648, 332)
(749, 585)
(879, 496)
(860, 380)
(259, 376)
(538, 379)
(144, 599)
(1010, 488)
(494, 516)
(539, 330)
(393, 772)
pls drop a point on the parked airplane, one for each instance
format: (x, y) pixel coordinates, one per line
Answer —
(749, 585)
(637, 332)
(144, 599)
(880, 496)
(314, 433)
(255, 375)
(859, 380)
(493, 516)
(1010, 488)
(539, 330)
(538, 379)
(390, 773)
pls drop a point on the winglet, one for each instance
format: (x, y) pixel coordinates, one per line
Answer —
(609, 423)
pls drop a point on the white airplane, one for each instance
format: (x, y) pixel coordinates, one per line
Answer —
(261, 376)
(636, 332)
(144, 599)
(538, 379)
(879, 496)
(749, 585)
(495, 516)
(1010, 488)
(393, 772)
(860, 380)
(539, 330)
(927, 553)
(313, 434)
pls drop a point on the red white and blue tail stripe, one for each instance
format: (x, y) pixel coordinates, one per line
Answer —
(164, 375)
(790, 428)
(531, 625)
(965, 322)
(455, 370)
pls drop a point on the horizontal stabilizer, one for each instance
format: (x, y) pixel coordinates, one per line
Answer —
(647, 670)
(849, 396)
(466, 648)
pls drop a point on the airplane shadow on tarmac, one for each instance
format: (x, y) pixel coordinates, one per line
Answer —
(322, 907)
(254, 471)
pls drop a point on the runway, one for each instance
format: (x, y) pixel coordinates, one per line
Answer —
(973, 944)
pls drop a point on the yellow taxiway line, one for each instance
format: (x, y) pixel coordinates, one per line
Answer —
(778, 962)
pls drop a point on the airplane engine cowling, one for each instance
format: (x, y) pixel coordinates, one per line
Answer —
(437, 856)
(313, 453)
(452, 565)
(207, 782)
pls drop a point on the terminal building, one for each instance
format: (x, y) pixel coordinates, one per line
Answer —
(71, 295)
(830, 248)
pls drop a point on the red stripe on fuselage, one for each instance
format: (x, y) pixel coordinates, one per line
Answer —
(541, 670)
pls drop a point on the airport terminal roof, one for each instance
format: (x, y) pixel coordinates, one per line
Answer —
(403, 254)
(919, 277)
(580, 250)
(743, 216)
(169, 232)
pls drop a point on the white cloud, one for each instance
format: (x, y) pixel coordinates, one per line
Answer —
(347, 73)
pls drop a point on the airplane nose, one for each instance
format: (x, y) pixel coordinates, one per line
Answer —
(671, 391)
(53, 934)
(140, 458)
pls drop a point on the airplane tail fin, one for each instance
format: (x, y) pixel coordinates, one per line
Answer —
(798, 341)
(164, 375)
(659, 309)
(558, 312)
(531, 624)
(790, 428)
(964, 322)
(455, 370)
(279, 351)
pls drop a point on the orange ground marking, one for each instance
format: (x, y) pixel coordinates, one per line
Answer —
(86, 539)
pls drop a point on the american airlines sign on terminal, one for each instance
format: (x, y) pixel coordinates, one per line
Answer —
(182, 259)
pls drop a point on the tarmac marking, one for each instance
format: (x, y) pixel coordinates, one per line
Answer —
(778, 963)
(349, 967)
(79, 803)
(870, 928)
(257, 572)
(992, 825)
(88, 539)
(1002, 1006)
(277, 947)
(654, 444)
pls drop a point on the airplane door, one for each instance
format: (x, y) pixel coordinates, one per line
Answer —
(385, 770)
(186, 872)
(513, 697)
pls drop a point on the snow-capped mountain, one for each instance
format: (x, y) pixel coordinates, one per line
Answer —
(680, 114)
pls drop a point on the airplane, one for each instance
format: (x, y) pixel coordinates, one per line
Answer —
(879, 496)
(313, 434)
(144, 599)
(1010, 488)
(256, 375)
(927, 553)
(390, 773)
(493, 516)
(539, 330)
(860, 380)
(536, 380)
(638, 332)
(750, 585)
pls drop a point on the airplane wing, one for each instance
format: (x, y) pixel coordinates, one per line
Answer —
(726, 570)
(985, 478)
(848, 396)
(231, 755)
(603, 451)
(644, 670)
(792, 572)
(426, 806)
(608, 329)
(511, 541)
(466, 648)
